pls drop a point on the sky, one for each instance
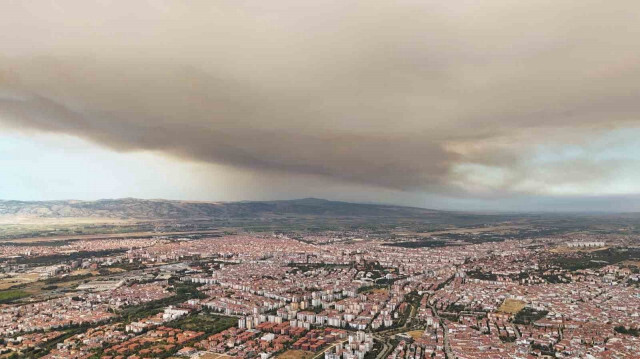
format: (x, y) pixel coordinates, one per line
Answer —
(473, 105)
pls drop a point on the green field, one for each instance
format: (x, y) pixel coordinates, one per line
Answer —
(205, 322)
(7, 296)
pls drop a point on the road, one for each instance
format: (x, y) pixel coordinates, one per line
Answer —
(385, 336)
(321, 354)
(386, 347)
(447, 346)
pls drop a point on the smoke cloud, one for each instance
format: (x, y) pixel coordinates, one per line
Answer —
(434, 96)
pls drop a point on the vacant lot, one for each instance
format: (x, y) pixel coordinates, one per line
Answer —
(215, 356)
(631, 263)
(6, 283)
(511, 306)
(415, 334)
(379, 291)
(296, 354)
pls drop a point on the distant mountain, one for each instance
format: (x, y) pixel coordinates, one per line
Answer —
(165, 209)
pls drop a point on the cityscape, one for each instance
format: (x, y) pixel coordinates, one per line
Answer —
(504, 290)
(323, 179)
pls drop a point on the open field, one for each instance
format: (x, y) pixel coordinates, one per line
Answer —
(511, 306)
(491, 229)
(296, 354)
(379, 291)
(631, 263)
(208, 323)
(87, 271)
(565, 249)
(214, 356)
(22, 227)
(43, 290)
(25, 278)
(11, 295)
(36, 288)
(105, 236)
(415, 334)
(39, 221)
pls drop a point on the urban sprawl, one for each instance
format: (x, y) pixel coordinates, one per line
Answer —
(319, 296)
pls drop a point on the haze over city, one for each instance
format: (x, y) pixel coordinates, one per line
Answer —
(495, 105)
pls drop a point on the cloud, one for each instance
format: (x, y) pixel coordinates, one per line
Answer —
(432, 96)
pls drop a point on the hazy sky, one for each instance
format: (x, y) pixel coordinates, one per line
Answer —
(481, 104)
